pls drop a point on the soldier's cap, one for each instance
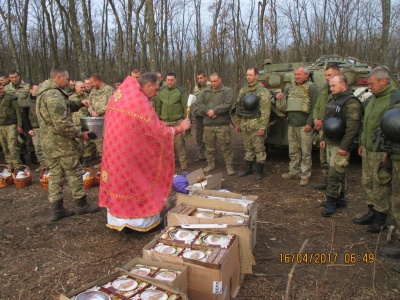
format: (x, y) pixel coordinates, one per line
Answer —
(384, 173)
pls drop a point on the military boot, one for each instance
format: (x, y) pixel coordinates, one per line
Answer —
(42, 164)
(248, 170)
(210, 167)
(229, 169)
(58, 211)
(330, 206)
(22, 158)
(368, 218)
(260, 171)
(340, 203)
(82, 207)
(379, 223)
(34, 159)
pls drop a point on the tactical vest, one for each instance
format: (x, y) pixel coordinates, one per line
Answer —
(299, 98)
(8, 115)
(242, 112)
(32, 113)
(333, 108)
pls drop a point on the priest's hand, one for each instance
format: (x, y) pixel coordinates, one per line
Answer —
(185, 124)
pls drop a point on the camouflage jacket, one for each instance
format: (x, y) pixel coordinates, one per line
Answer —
(197, 90)
(10, 112)
(32, 115)
(58, 133)
(83, 112)
(21, 91)
(99, 99)
(261, 122)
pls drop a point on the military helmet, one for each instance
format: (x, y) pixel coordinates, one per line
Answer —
(334, 128)
(250, 102)
(390, 125)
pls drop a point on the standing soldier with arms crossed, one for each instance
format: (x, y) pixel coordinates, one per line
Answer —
(202, 84)
(252, 112)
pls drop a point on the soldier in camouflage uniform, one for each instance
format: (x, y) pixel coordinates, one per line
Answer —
(21, 90)
(4, 80)
(10, 126)
(202, 84)
(32, 124)
(253, 124)
(171, 104)
(301, 99)
(98, 98)
(318, 114)
(346, 107)
(58, 134)
(215, 104)
(80, 95)
(377, 194)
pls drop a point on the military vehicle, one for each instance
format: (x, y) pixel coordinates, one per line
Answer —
(276, 77)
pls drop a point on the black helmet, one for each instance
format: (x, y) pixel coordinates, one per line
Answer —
(334, 128)
(390, 125)
(250, 102)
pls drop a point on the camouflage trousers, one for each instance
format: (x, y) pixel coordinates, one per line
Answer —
(65, 167)
(300, 147)
(376, 194)
(10, 145)
(99, 146)
(179, 143)
(254, 146)
(336, 181)
(36, 144)
(396, 192)
(200, 136)
(222, 135)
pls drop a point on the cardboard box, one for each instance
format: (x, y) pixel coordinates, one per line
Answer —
(114, 276)
(213, 181)
(180, 283)
(204, 282)
(245, 233)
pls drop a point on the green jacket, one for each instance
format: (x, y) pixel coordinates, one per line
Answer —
(324, 96)
(171, 104)
(351, 114)
(220, 101)
(198, 89)
(264, 111)
(57, 131)
(99, 99)
(299, 118)
(377, 106)
(21, 91)
(10, 113)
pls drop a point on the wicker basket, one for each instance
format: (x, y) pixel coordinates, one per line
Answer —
(22, 182)
(97, 172)
(44, 182)
(6, 181)
(88, 183)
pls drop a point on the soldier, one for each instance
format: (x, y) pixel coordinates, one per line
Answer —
(301, 98)
(21, 90)
(376, 193)
(59, 143)
(215, 104)
(161, 79)
(202, 84)
(32, 125)
(70, 88)
(80, 95)
(342, 121)
(318, 113)
(4, 80)
(252, 119)
(117, 83)
(98, 98)
(171, 104)
(88, 86)
(10, 126)
(135, 73)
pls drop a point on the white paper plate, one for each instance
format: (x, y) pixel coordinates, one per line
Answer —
(194, 254)
(205, 215)
(182, 235)
(216, 239)
(165, 249)
(153, 295)
(166, 276)
(92, 295)
(125, 284)
(141, 271)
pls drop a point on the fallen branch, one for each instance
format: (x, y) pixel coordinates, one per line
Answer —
(290, 275)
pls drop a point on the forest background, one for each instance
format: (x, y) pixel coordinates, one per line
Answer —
(111, 37)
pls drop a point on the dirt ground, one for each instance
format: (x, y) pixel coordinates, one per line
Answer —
(41, 259)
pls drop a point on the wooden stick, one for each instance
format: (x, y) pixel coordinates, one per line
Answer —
(290, 275)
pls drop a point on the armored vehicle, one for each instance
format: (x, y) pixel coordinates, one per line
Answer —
(276, 77)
